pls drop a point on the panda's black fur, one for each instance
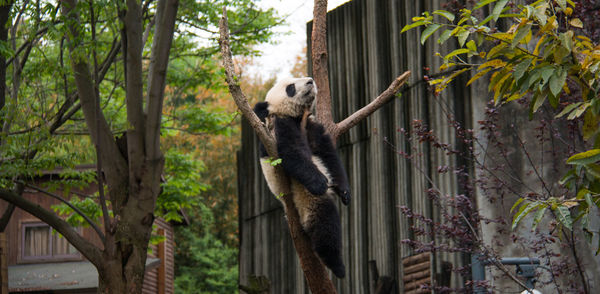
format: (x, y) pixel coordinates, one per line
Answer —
(310, 160)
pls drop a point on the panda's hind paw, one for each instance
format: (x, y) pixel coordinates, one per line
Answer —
(344, 194)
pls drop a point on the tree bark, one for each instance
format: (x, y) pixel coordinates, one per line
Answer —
(134, 184)
(319, 63)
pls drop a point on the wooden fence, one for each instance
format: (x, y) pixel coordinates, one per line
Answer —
(366, 53)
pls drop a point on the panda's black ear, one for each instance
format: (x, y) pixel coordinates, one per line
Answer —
(291, 90)
(262, 110)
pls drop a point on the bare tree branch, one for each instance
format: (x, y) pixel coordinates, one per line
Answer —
(86, 248)
(321, 77)
(238, 96)
(381, 100)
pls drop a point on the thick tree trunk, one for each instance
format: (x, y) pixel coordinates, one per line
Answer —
(133, 180)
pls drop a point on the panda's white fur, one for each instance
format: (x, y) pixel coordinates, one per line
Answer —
(287, 101)
(281, 104)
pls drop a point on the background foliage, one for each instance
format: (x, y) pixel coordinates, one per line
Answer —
(199, 131)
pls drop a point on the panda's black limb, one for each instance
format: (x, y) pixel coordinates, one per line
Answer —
(261, 110)
(322, 146)
(296, 157)
(323, 229)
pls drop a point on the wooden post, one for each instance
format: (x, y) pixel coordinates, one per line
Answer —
(3, 265)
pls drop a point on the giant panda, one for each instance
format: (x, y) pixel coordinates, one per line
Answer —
(309, 159)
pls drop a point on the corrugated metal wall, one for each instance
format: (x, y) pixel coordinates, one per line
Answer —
(366, 53)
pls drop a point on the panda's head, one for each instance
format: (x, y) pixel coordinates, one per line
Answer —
(291, 96)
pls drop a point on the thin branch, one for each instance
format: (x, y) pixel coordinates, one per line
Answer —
(84, 246)
(238, 96)
(65, 201)
(381, 100)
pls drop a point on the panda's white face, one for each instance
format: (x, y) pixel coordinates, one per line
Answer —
(291, 96)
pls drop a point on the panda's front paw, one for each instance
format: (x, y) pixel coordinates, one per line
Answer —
(318, 186)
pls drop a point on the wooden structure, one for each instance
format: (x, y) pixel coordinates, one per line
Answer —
(44, 270)
(417, 273)
(366, 52)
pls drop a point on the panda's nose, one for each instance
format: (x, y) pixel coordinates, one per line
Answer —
(309, 82)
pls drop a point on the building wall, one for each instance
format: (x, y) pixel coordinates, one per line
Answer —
(19, 217)
(160, 279)
(157, 280)
(366, 53)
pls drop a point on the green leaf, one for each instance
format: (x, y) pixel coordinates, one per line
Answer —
(547, 72)
(498, 9)
(462, 37)
(521, 68)
(588, 199)
(577, 113)
(568, 109)
(456, 52)
(562, 3)
(537, 217)
(557, 81)
(566, 39)
(478, 75)
(576, 22)
(521, 33)
(497, 49)
(483, 3)
(564, 216)
(471, 46)
(516, 204)
(570, 175)
(584, 158)
(429, 31)
(413, 25)
(448, 15)
(445, 36)
(523, 211)
(537, 102)
(540, 13)
(592, 170)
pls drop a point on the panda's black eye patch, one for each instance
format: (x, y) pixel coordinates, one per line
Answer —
(291, 90)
